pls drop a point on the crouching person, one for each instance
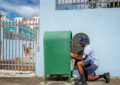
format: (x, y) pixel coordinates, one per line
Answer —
(88, 63)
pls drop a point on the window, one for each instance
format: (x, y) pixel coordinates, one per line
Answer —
(81, 4)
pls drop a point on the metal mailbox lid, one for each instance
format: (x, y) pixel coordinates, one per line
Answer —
(57, 52)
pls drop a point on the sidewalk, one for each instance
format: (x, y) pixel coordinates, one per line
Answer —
(29, 78)
(40, 81)
(18, 74)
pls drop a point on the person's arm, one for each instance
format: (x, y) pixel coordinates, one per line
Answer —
(76, 56)
(84, 56)
(81, 57)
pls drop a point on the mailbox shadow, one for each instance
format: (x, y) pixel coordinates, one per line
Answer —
(57, 78)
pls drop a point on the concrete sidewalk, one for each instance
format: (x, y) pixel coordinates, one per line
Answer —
(11, 73)
(40, 81)
(30, 78)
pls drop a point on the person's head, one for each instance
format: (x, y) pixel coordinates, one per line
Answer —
(83, 41)
(82, 45)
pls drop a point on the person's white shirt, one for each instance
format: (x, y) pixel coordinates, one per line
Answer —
(90, 52)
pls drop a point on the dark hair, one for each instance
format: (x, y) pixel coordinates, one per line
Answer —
(79, 52)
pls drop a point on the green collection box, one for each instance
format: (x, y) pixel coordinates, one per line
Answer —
(57, 46)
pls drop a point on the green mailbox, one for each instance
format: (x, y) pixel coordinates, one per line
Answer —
(57, 53)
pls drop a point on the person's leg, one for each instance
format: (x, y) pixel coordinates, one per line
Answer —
(80, 67)
(105, 76)
(81, 72)
(92, 77)
(91, 73)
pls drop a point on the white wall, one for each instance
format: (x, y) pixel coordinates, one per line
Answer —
(102, 25)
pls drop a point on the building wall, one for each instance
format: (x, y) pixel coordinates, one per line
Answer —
(100, 24)
(30, 22)
(3, 18)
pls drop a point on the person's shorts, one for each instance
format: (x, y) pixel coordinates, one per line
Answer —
(91, 69)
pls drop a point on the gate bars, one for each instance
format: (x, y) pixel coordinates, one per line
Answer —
(18, 44)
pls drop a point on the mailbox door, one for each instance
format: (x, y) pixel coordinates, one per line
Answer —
(57, 52)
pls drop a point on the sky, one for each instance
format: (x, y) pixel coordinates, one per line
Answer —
(20, 8)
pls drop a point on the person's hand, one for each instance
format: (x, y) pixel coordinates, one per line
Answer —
(72, 55)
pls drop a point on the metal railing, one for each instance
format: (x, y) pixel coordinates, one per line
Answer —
(18, 44)
(81, 4)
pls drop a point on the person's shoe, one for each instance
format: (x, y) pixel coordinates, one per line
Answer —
(84, 82)
(81, 83)
(107, 77)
